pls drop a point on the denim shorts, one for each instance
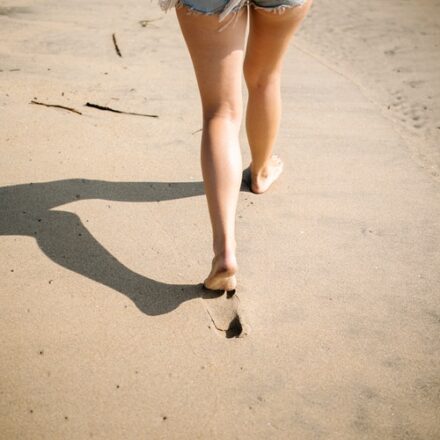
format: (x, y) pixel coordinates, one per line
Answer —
(223, 8)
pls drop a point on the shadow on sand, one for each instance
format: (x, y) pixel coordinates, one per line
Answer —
(26, 210)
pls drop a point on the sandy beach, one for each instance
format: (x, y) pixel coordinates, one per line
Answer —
(392, 52)
(105, 239)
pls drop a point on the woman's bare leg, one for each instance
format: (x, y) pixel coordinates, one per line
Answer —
(269, 37)
(218, 62)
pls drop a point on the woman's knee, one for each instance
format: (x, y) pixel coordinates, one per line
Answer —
(260, 79)
(231, 111)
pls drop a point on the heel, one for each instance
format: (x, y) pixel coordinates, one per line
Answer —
(224, 282)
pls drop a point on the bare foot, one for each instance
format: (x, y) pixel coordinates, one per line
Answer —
(263, 179)
(222, 275)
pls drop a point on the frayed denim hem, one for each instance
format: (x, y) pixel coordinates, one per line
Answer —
(228, 9)
(193, 11)
(166, 5)
(279, 9)
(222, 12)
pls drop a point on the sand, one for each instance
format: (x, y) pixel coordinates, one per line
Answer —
(105, 240)
(391, 50)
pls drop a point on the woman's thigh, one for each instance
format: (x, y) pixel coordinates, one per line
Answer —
(217, 58)
(269, 38)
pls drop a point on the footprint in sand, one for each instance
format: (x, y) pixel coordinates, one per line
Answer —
(246, 179)
(224, 311)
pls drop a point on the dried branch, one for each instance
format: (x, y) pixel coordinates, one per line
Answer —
(102, 107)
(116, 45)
(57, 106)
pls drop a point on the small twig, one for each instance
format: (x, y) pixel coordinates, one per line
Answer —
(57, 106)
(102, 107)
(116, 45)
(194, 132)
(144, 23)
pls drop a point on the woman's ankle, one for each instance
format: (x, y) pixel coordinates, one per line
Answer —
(260, 169)
(226, 258)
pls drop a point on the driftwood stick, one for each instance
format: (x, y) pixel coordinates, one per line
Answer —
(116, 45)
(109, 109)
(70, 109)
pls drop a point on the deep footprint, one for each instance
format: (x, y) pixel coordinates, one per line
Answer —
(246, 180)
(223, 309)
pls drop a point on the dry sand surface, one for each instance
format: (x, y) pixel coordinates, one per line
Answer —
(105, 238)
(392, 51)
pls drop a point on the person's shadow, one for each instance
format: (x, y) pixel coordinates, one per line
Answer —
(26, 210)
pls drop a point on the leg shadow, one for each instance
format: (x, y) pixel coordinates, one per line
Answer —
(68, 243)
(27, 210)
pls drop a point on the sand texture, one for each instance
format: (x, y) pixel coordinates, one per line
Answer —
(105, 331)
(392, 51)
